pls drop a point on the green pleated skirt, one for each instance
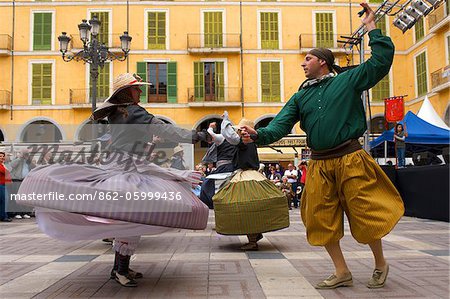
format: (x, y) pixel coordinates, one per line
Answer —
(250, 204)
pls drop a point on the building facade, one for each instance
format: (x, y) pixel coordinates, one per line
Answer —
(193, 53)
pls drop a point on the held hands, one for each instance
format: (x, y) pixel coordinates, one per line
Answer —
(369, 19)
(213, 125)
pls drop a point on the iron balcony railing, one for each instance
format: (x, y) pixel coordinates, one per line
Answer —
(218, 94)
(325, 40)
(440, 77)
(5, 42)
(213, 42)
(82, 96)
(5, 98)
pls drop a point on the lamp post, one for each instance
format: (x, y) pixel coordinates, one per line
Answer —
(93, 52)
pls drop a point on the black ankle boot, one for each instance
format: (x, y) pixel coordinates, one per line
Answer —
(133, 274)
(122, 276)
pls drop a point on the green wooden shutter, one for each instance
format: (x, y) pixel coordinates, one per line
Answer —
(199, 81)
(324, 30)
(172, 82)
(419, 30)
(421, 71)
(42, 31)
(269, 30)
(219, 81)
(381, 24)
(41, 85)
(141, 71)
(213, 29)
(381, 90)
(103, 35)
(270, 82)
(448, 47)
(157, 30)
(102, 83)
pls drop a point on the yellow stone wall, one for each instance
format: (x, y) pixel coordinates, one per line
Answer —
(185, 18)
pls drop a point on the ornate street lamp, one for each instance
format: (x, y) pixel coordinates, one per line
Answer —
(93, 52)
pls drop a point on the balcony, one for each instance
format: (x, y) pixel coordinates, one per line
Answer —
(308, 41)
(112, 41)
(438, 18)
(220, 97)
(80, 98)
(5, 99)
(5, 44)
(200, 43)
(440, 79)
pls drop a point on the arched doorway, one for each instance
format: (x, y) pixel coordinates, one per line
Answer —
(87, 131)
(2, 136)
(378, 125)
(41, 131)
(264, 122)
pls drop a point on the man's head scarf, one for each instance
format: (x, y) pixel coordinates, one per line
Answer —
(327, 56)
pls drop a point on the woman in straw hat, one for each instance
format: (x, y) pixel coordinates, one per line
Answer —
(249, 204)
(177, 160)
(122, 186)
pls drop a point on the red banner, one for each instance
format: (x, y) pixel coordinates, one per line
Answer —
(394, 109)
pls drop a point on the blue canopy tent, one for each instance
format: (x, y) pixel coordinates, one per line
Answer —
(422, 136)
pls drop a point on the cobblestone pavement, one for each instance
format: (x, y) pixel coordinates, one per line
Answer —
(203, 264)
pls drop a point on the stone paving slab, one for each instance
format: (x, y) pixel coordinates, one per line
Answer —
(203, 264)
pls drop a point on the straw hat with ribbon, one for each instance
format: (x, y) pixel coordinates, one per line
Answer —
(121, 82)
(177, 149)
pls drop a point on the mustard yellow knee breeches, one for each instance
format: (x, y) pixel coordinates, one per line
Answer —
(353, 184)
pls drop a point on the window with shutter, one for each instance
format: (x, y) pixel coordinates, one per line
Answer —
(172, 82)
(381, 90)
(102, 83)
(269, 30)
(324, 30)
(141, 71)
(199, 83)
(156, 30)
(270, 81)
(381, 24)
(41, 85)
(219, 81)
(448, 48)
(42, 31)
(419, 30)
(213, 29)
(103, 35)
(421, 74)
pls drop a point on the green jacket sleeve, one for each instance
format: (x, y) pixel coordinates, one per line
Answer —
(282, 124)
(369, 73)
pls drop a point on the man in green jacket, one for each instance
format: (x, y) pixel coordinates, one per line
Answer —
(342, 177)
